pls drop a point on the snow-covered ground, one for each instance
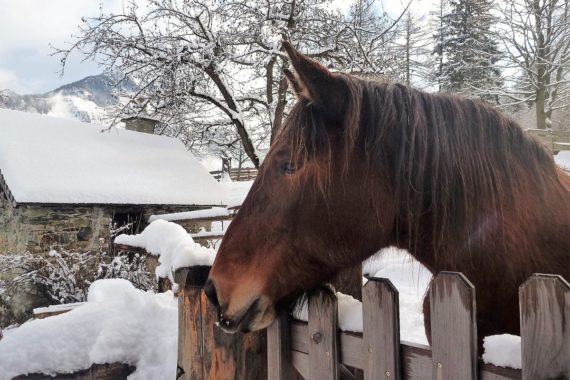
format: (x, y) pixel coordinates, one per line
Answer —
(118, 324)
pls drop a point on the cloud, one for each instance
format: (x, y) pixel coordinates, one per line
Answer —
(28, 27)
(9, 80)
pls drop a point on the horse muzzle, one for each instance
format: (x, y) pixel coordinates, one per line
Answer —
(255, 315)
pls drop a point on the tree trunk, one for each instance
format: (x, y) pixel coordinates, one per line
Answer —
(540, 107)
(279, 107)
(235, 116)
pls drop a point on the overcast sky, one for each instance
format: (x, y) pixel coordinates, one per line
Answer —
(27, 27)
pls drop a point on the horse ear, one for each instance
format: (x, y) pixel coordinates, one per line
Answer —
(314, 82)
(293, 82)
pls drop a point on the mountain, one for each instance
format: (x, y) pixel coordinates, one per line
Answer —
(88, 99)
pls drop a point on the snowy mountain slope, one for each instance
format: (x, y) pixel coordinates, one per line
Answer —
(86, 100)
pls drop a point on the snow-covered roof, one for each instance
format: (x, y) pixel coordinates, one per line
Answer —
(58, 161)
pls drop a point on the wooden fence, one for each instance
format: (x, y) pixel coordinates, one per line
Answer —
(554, 140)
(319, 350)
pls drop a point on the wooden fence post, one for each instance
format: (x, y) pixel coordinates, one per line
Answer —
(381, 330)
(190, 331)
(323, 335)
(231, 356)
(545, 327)
(453, 327)
(279, 361)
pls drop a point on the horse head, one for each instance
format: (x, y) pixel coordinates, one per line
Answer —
(308, 211)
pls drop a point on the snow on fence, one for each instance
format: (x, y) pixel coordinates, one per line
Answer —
(319, 350)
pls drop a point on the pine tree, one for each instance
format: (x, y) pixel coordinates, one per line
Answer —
(467, 49)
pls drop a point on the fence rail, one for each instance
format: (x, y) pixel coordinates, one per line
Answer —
(554, 140)
(237, 174)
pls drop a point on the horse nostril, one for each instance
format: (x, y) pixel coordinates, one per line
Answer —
(210, 291)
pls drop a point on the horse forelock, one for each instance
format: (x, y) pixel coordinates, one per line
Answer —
(450, 162)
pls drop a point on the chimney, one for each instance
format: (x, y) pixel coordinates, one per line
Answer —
(140, 124)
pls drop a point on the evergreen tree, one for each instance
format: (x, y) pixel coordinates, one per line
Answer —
(468, 50)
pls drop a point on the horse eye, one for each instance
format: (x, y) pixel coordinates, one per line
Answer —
(288, 167)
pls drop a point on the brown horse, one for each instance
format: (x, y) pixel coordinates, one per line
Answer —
(359, 166)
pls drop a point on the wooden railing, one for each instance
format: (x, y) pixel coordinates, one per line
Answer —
(554, 140)
(237, 174)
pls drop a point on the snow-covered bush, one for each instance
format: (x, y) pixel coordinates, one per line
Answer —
(61, 277)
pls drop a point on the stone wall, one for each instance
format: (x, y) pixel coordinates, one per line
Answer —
(37, 228)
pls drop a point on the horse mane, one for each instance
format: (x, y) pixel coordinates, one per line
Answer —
(453, 164)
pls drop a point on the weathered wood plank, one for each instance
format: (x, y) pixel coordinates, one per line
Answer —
(545, 327)
(323, 334)
(453, 327)
(381, 323)
(190, 329)
(279, 365)
(300, 361)
(207, 236)
(231, 356)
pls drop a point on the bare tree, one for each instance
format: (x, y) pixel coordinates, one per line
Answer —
(536, 36)
(414, 43)
(369, 43)
(211, 70)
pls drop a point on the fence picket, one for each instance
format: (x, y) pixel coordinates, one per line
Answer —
(381, 325)
(279, 353)
(545, 327)
(323, 336)
(453, 327)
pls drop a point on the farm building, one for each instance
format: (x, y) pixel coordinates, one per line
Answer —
(65, 183)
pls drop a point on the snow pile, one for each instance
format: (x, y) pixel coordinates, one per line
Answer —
(50, 160)
(503, 350)
(172, 244)
(214, 212)
(118, 324)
